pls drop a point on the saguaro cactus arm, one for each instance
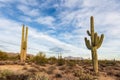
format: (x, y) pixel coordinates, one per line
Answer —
(22, 40)
(87, 42)
(26, 35)
(88, 32)
(100, 41)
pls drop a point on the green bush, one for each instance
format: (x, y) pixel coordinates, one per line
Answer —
(71, 63)
(52, 60)
(40, 59)
(3, 56)
(60, 62)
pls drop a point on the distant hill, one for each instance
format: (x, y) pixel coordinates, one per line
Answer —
(73, 58)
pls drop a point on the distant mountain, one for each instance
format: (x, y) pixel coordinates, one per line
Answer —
(73, 58)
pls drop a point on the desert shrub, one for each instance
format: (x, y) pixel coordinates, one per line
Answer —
(78, 73)
(5, 73)
(38, 76)
(111, 63)
(52, 60)
(86, 77)
(3, 56)
(40, 59)
(10, 75)
(82, 76)
(60, 62)
(107, 62)
(71, 63)
(29, 58)
(87, 61)
(14, 58)
(17, 77)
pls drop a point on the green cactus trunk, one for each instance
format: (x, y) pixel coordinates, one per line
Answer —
(94, 60)
(95, 43)
(24, 44)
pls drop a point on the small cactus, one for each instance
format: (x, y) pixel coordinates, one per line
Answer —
(95, 43)
(24, 44)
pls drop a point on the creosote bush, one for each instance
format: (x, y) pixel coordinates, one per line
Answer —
(40, 59)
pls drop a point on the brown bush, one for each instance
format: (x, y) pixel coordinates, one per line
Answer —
(3, 55)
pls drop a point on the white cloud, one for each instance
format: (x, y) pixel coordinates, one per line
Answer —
(75, 14)
(29, 2)
(28, 11)
(6, 1)
(107, 21)
(25, 19)
(37, 40)
(72, 3)
(46, 20)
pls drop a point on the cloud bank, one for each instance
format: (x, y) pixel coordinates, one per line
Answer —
(60, 26)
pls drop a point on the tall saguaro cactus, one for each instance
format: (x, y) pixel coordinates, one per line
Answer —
(24, 44)
(94, 44)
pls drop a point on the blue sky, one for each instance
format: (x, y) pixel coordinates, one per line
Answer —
(60, 26)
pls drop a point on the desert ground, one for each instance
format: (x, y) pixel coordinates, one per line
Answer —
(39, 67)
(11, 70)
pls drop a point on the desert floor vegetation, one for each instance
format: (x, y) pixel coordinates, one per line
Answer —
(40, 67)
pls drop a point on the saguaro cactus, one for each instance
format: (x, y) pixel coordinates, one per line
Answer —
(95, 43)
(24, 44)
(59, 55)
